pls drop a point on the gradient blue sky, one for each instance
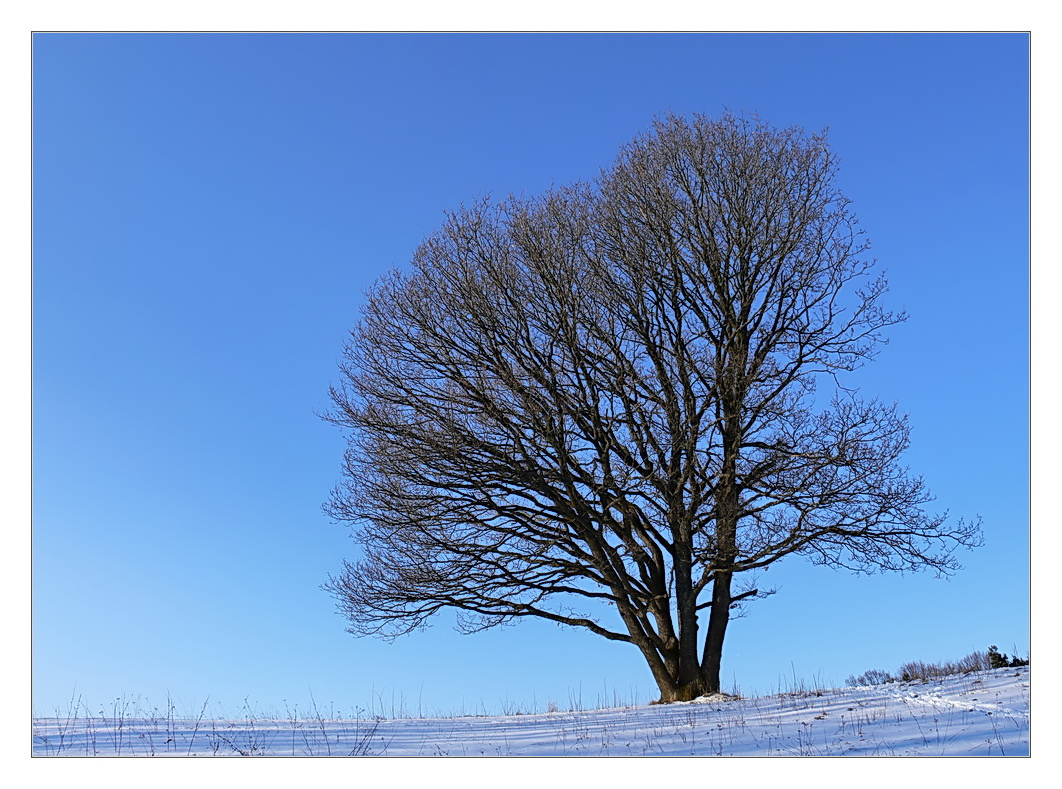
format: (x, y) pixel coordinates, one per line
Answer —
(208, 210)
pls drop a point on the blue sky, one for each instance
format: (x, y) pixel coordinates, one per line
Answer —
(209, 209)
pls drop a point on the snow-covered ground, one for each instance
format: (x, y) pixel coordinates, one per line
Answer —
(979, 714)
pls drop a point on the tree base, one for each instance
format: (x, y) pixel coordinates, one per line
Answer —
(688, 692)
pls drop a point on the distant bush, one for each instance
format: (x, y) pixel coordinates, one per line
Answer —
(872, 677)
(920, 670)
(1001, 661)
(917, 669)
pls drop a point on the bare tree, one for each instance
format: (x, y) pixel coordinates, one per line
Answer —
(611, 395)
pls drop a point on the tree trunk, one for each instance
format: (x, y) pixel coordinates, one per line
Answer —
(678, 692)
(687, 684)
(717, 622)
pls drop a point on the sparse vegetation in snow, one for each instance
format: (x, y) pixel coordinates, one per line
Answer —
(980, 713)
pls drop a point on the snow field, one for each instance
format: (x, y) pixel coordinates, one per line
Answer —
(977, 714)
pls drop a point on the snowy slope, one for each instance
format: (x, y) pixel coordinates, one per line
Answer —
(980, 714)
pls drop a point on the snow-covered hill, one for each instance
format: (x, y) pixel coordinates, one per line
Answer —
(984, 713)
